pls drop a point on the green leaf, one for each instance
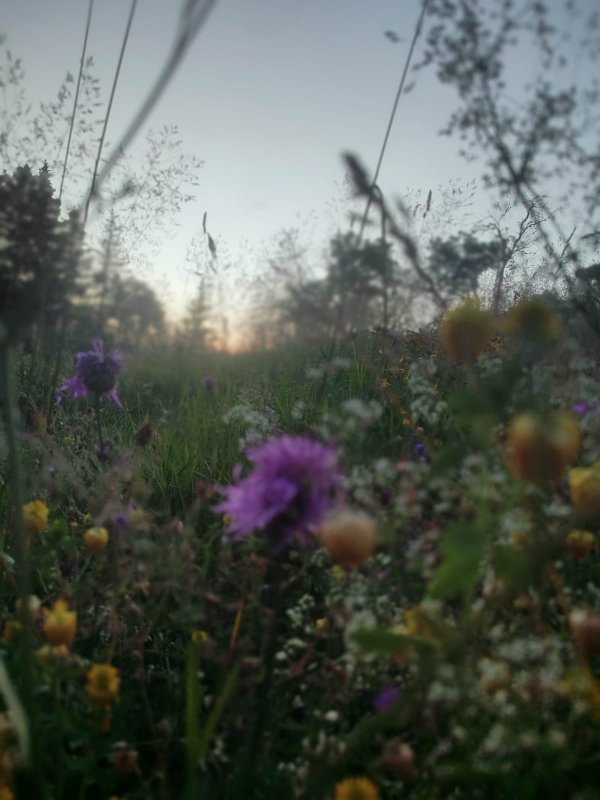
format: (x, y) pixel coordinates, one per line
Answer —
(462, 546)
(387, 642)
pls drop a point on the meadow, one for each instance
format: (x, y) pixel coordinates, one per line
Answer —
(360, 560)
(417, 616)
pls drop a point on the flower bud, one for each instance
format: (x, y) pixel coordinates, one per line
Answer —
(350, 537)
(585, 487)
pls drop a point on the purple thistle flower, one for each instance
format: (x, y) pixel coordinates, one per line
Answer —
(290, 490)
(386, 699)
(95, 372)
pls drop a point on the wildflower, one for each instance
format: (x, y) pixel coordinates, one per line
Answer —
(349, 536)
(398, 758)
(580, 544)
(387, 699)
(103, 684)
(289, 492)
(12, 631)
(95, 372)
(585, 629)
(209, 383)
(356, 789)
(60, 624)
(96, 540)
(46, 653)
(466, 331)
(35, 516)
(585, 487)
(540, 447)
(533, 319)
(584, 408)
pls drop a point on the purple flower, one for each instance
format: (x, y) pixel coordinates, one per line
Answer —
(209, 383)
(386, 699)
(290, 490)
(95, 372)
(583, 408)
(421, 453)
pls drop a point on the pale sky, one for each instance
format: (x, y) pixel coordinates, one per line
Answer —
(269, 96)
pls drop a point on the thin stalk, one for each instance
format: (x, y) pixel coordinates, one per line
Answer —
(98, 415)
(76, 100)
(108, 110)
(20, 548)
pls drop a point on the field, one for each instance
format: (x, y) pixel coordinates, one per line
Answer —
(417, 617)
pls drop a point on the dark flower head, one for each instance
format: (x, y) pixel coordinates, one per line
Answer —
(209, 383)
(95, 372)
(290, 490)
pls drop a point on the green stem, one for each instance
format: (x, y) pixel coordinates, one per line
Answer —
(19, 546)
(98, 420)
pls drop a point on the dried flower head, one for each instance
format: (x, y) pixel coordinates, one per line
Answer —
(95, 372)
(60, 624)
(103, 682)
(350, 537)
(533, 319)
(541, 446)
(288, 493)
(35, 516)
(466, 331)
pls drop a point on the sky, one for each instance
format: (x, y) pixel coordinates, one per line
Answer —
(269, 96)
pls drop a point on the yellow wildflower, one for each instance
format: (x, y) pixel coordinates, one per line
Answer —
(96, 540)
(585, 487)
(103, 684)
(356, 789)
(12, 631)
(60, 624)
(35, 516)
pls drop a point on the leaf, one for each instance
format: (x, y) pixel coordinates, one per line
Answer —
(463, 546)
(387, 642)
(17, 712)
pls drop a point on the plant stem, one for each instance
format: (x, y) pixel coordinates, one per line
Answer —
(98, 420)
(20, 547)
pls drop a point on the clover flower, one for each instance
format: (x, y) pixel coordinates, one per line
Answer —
(96, 373)
(287, 495)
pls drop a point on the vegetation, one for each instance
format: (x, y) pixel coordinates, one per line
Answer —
(360, 562)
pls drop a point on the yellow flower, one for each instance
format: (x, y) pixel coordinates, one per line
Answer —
(46, 653)
(585, 487)
(96, 540)
(60, 624)
(350, 537)
(199, 637)
(580, 544)
(35, 516)
(103, 683)
(541, 446)
(12, 631)
(356, 789)
(466, 331)
(321, 624)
